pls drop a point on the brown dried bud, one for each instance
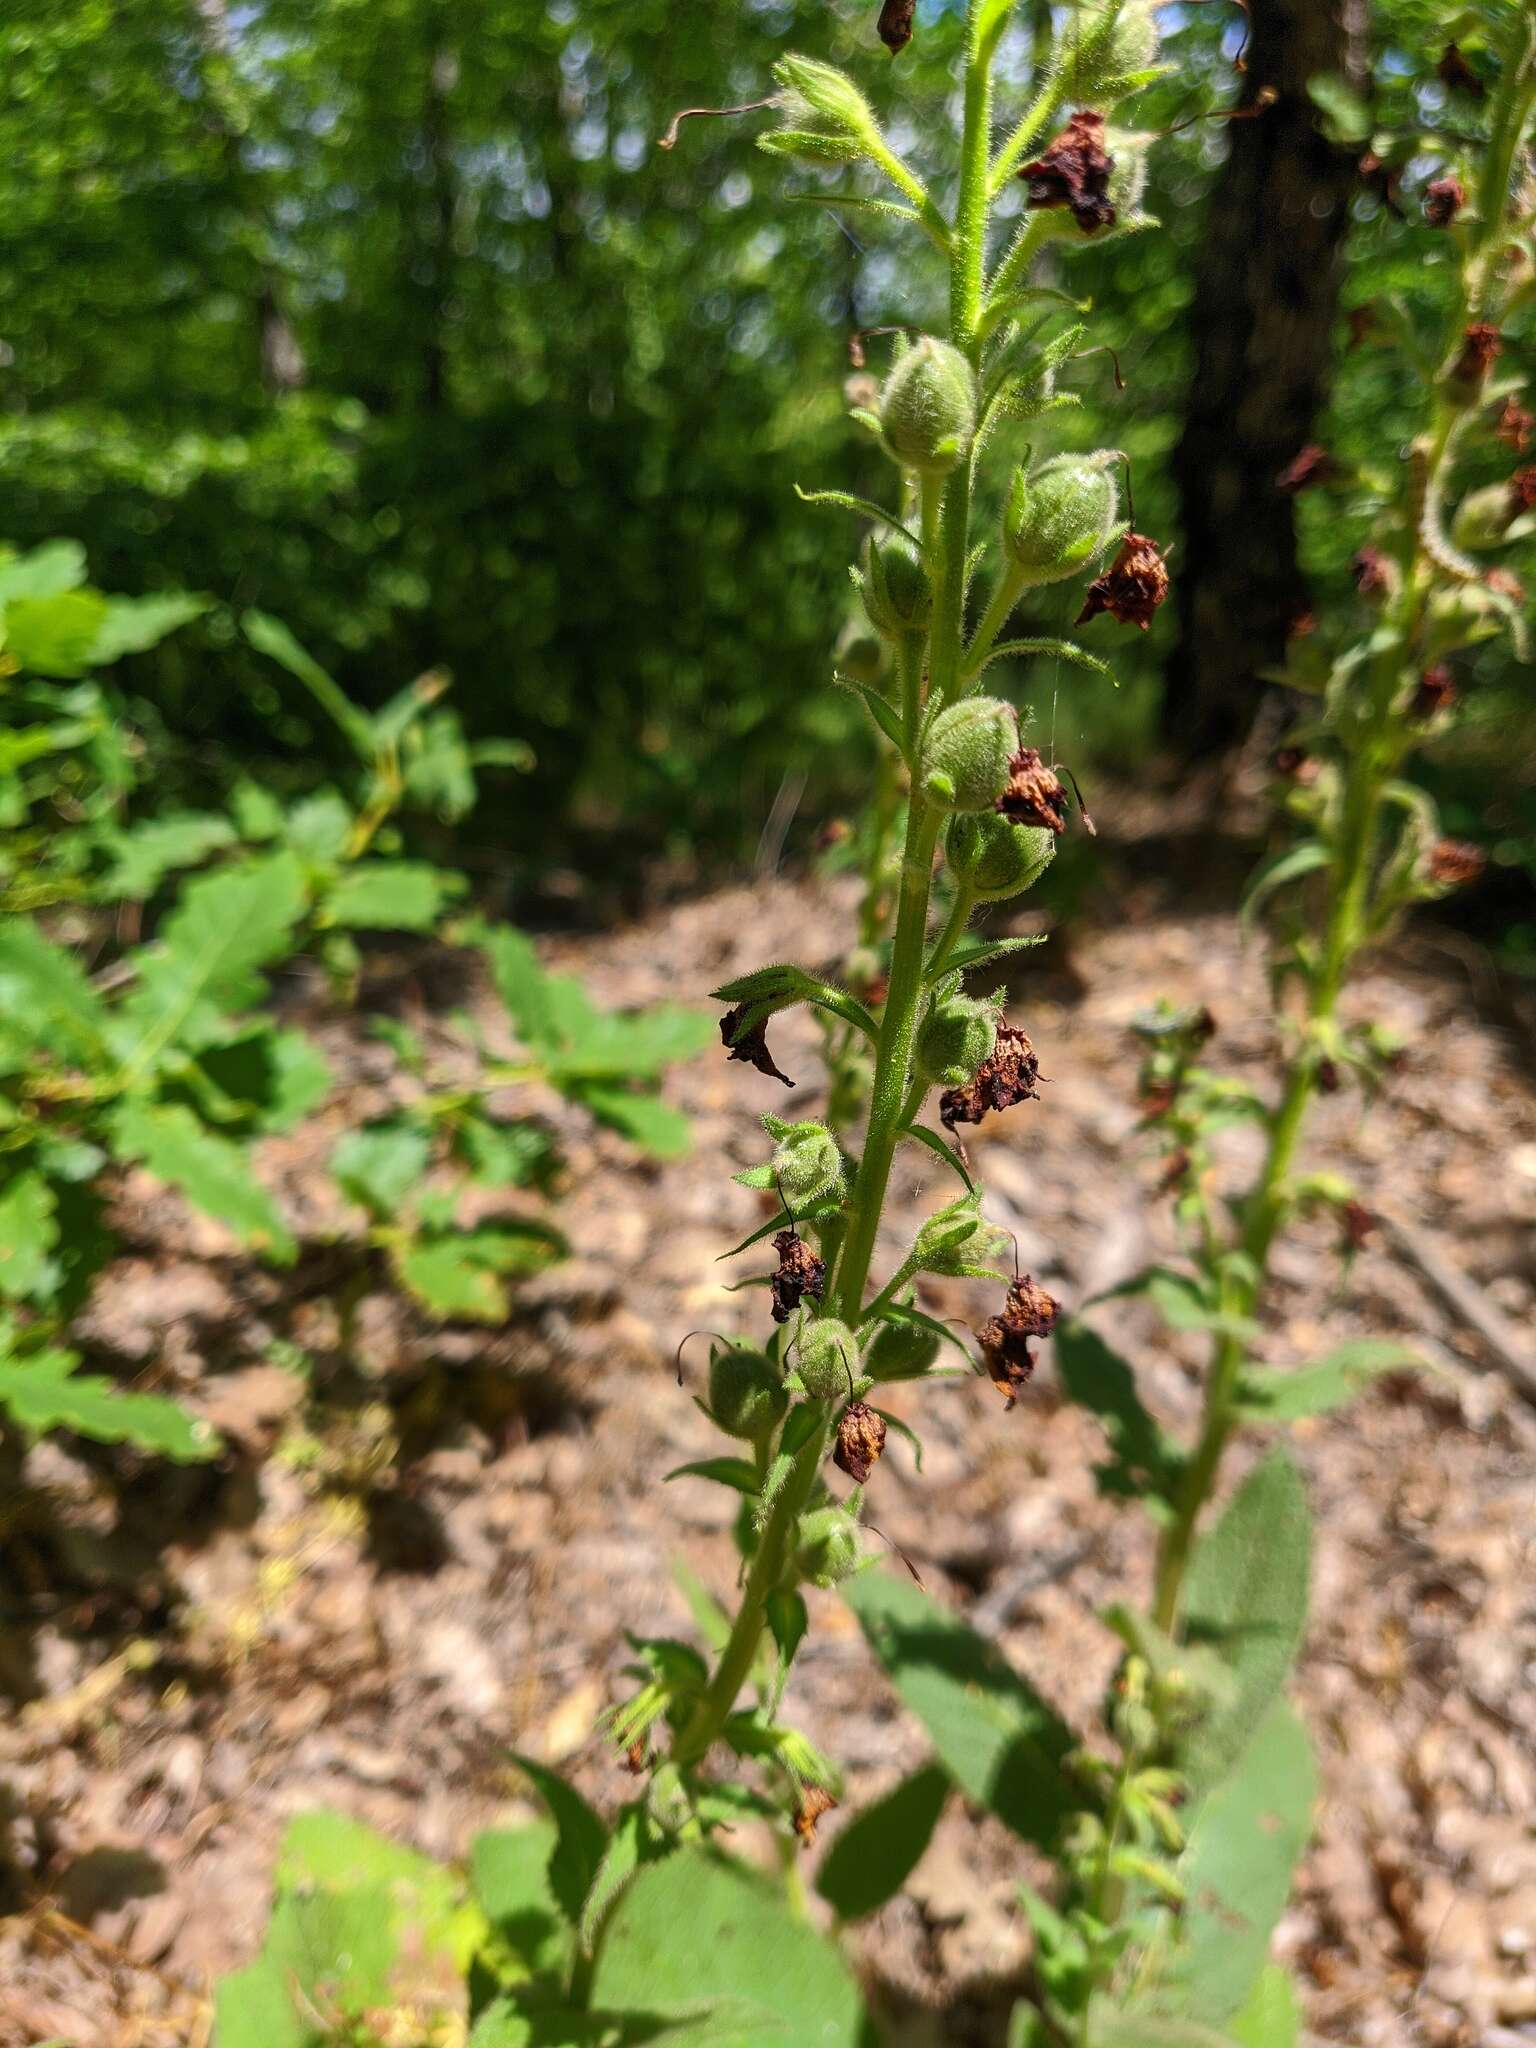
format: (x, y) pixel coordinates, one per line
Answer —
(1132, 587)
(1035, 794)
(1009, 1076)
(1028, 1312)
(1513, 426)
(1359, 1225)
(1074, 172)
(1329, 1080)
(799, 1273)
(1443, 200)
(1310, 466)
(1480, 343)
(1436, 692)
(815, 1800)
(1505, 583)
(1175, 1167)
(750, 1045)
(1522, 491)
(1303, 625)
(1362, 324)
(1372, 571)
(1453, 863)
(1380, 179)
(1457, 75)
(1296, 765)
(860, 1441)
(1202, 1025)
(637, 1758)
(896, 24)
(1156, 1099)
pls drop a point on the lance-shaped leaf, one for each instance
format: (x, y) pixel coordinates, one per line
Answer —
(46, 1391)
(1269, 1395)
(1144, 1463)
(877, 1852)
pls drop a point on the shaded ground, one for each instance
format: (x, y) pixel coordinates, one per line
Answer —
(328, 1628)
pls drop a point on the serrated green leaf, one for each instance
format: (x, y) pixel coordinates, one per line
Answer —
(390, 895)
(53, 636)
(45, 1391)
(509, 1871)
(460, 1274)
(135, 624)
(379, 1165)
(29, 1233)
(44, 571)
(1268, 1395)
(880, 1848)
(145, 854)
(45, 999)
(213, 1173)
(266, 1079)
(993, 1733)
(655, 1126)
(580, 1837)
(1246, 1598)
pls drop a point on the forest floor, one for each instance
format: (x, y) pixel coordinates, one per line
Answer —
(426, 1552)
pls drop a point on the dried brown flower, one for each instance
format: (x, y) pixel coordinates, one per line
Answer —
(1359, 1225)
(1372, 571)
(1505, 583)
(637, 1758)
(1302, 626)
(1132, 587)
(1035, 794)
(1296, 765)
(1074, 172)
(1175, 1167)
(1028, 1312)
(836, 831)
(815, 1800)
(1522, 491)
(1453, 863)
(1436, 692)
(1156, 1098)
(860, 1441)
(1009, 1076)
(1443, 200)
(799, 1273)
(1310, 466)
(1457, 75)
(1513, 426)
(1329, 1079)
(1480, 343)
(751, 1044)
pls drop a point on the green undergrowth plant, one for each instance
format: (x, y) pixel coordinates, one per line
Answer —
(1174, 1842)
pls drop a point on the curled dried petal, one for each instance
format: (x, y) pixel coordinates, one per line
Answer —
(1009, 1076)
(860, 1441)
(1132, 587)
(1074, 172)
(800, 1273)
(750, 1044)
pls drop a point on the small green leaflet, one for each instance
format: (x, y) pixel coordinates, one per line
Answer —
(211, 1171)
(390, 895)
(46, 1392)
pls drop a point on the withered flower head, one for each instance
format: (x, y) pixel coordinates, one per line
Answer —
(836, 832)
(1028, 1312)
(1480, 343)
(800, 1272)
(1309, 466)
(1132, 587)
(1329, 1079)
(1372, 571)
(1359, 1225)
(1074, 172)
(1455, 862)
(1302, 626)
(637, 1758)
(1296, 765)
(750, 1045)
(1436, 692)
(1035, 794)
(815, 1800)
(1522, 491)
(1457, 75)
(1156, 1098)
(1009, 1076)
(1513, 426)
(1175, 1167)
(860, 1441)
(1443, 200)
(896, 24)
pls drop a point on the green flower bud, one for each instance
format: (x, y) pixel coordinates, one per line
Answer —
(1102, 58)
(826, 119)
(827, 1359)
(827, 1546)
(993, 857)
(1483, 517)
(954, 1038)
(894, 586)
(1062, 517)
(928, 407)
(860, 655)
(806, 1162)
(900, 1351)
(1128, 180)
(965, 754)
(746, 1394)
(959, 1242)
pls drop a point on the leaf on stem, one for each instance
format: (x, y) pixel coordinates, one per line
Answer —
(878, 1851)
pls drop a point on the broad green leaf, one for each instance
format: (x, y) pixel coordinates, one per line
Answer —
(1108, 2028)
(43, 571)
(636, 1046)
(521, 983)
(1143, 1463)
(1246, 1598)
(1271, 2017)
(381, 1164)
(145, 854)
(1266, 1395)
(53, 636)
(459, 1275)
(655, 1126)
(995, 1736)
(1236, 1871)
(267, 1079)
(880, 1848)
(509, 1870)
(29, 1233)
(46, 1392)
(634, 1839)
(580, 1837)
(134, 624)
(1346, 116)
(225, 927)
(211, 1171)
(333, 1851)
(512, 1155)
(45, 999)
(318, 829)
(390, 895)
(697, 1931)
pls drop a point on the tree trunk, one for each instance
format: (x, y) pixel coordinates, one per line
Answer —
(1266, 293)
